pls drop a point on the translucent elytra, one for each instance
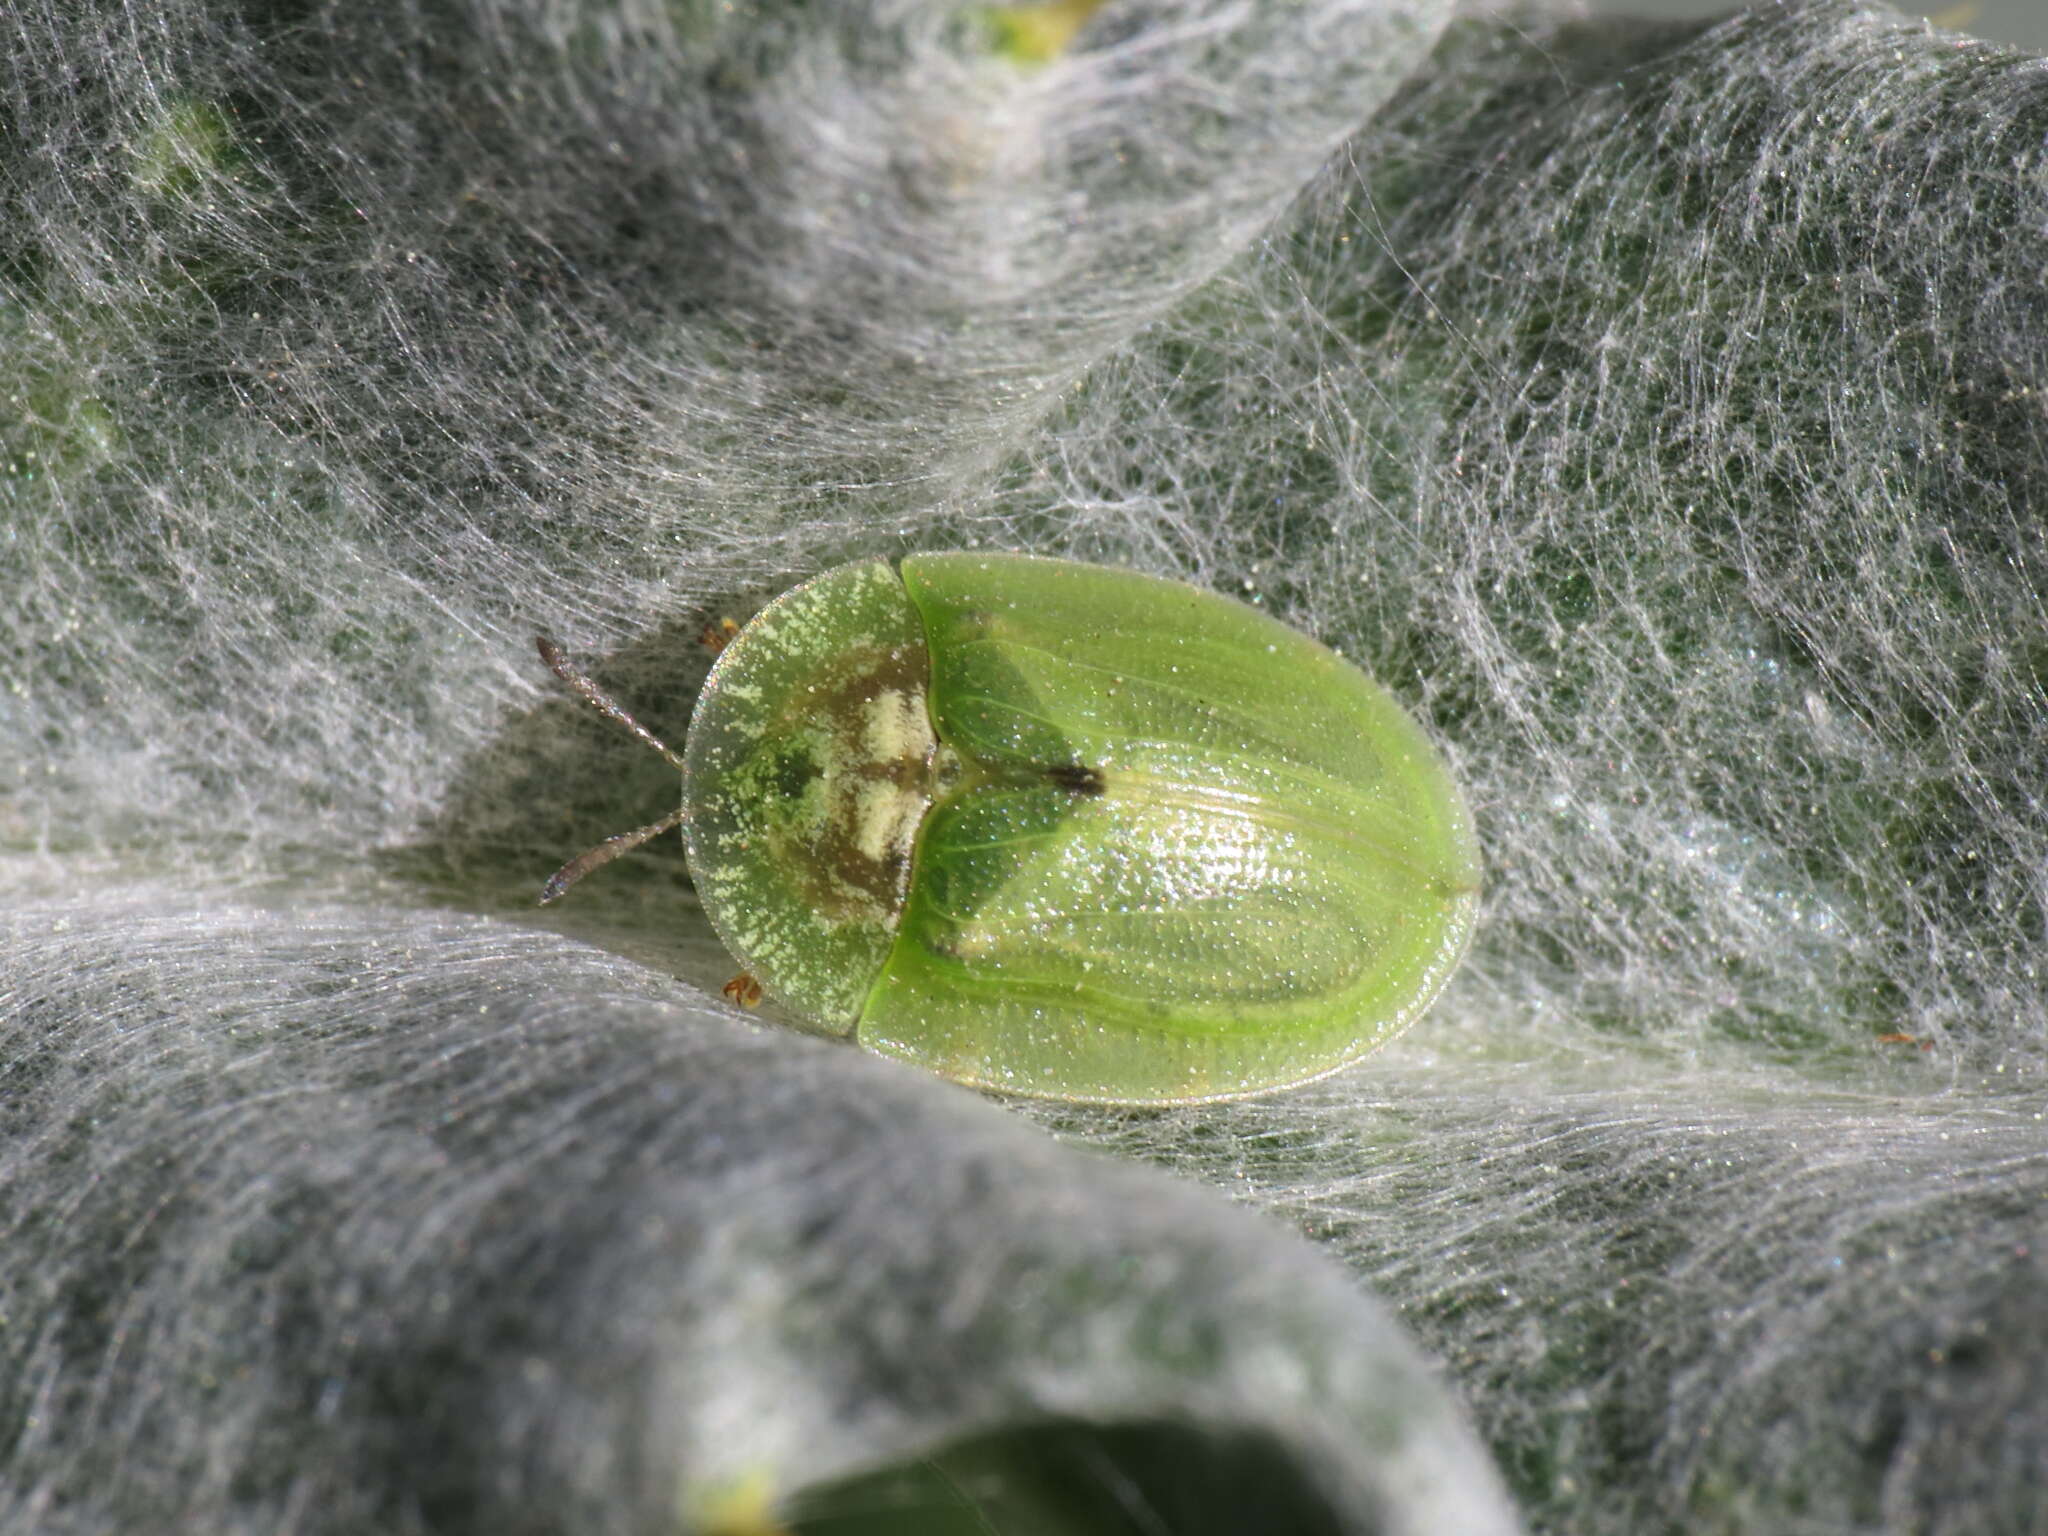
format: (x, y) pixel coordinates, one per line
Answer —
(1070, 831)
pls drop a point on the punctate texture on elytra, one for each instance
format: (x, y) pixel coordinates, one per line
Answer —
(1070, 831)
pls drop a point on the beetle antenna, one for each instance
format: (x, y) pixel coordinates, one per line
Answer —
(606, 705)
(603, 854)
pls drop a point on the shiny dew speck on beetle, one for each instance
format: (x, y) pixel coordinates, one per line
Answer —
(1063, 830)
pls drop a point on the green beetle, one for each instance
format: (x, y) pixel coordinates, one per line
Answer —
(1068, 831)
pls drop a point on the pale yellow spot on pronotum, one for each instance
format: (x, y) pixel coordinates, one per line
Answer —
(895, 726)
(886, 817)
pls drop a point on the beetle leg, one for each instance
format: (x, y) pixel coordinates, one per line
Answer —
(604, 853)
(601, 701)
